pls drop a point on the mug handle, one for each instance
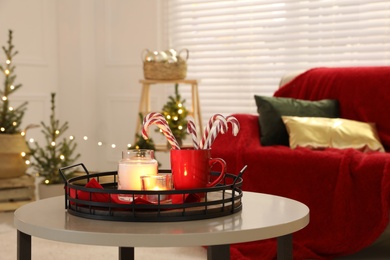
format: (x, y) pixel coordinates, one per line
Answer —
(212, 161)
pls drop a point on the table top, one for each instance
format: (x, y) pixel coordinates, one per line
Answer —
(263, 216)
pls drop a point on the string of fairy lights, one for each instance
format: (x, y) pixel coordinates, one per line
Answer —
(85, 138)
(98, 143)
(71, 137)
(61, 156)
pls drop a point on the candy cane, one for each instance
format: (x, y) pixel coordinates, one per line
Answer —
(164, 127)
(214, 120)
(217, 128)
(191, 129)
(235, 124)
(221, 121)
(152, 115)
(148, 120)
(153, 121)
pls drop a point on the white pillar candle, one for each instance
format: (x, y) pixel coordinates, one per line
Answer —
(134, 164)
(129, 174)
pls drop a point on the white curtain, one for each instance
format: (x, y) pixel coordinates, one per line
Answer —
(239, 48)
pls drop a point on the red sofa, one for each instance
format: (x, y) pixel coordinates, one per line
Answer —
(347, 191)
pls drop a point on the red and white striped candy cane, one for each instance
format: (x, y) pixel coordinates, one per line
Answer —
(217, 128)
(164, 127)
(214, 120)
(191, 129)
(148, 119)
(235, 124)
(153, 115)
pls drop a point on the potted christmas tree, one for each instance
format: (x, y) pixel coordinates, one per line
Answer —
(55, 154)
(176, 114)
(13, 146)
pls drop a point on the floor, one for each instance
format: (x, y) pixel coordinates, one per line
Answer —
(52, 250)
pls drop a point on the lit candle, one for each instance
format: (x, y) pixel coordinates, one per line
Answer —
(134, 164)
(157, 183)
(130, 173)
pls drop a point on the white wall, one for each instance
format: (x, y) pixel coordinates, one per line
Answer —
(89, 53)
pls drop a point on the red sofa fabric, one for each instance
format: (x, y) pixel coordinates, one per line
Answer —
(347, 191)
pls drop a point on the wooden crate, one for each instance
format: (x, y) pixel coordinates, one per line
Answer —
(15, 192)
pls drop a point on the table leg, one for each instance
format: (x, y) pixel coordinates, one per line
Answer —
(23, 246)
(126, 253)
(285, 248)
(219, 252)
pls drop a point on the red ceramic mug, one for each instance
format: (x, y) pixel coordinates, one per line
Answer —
(191, 168)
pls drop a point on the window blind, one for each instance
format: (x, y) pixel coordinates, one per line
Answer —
(240, 48)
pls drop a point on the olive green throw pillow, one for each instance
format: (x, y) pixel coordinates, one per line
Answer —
(271, 109)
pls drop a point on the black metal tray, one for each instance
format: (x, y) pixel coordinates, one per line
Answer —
(221, 200)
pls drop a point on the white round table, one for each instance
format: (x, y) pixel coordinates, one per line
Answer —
(263, 216)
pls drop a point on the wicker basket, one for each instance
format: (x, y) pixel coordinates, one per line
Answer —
(165, 70)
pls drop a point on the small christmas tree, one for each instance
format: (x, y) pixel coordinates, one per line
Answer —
(55, 154)
(176, 115)
(10, 117)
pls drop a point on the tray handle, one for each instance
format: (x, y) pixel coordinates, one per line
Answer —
(239, 175)
(63, 169)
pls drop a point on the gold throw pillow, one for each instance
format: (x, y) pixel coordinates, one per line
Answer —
(321, 133)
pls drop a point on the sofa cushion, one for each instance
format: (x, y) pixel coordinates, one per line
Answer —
(321, 133)
(270, 109)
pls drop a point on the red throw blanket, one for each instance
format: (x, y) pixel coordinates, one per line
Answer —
(347, 191)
